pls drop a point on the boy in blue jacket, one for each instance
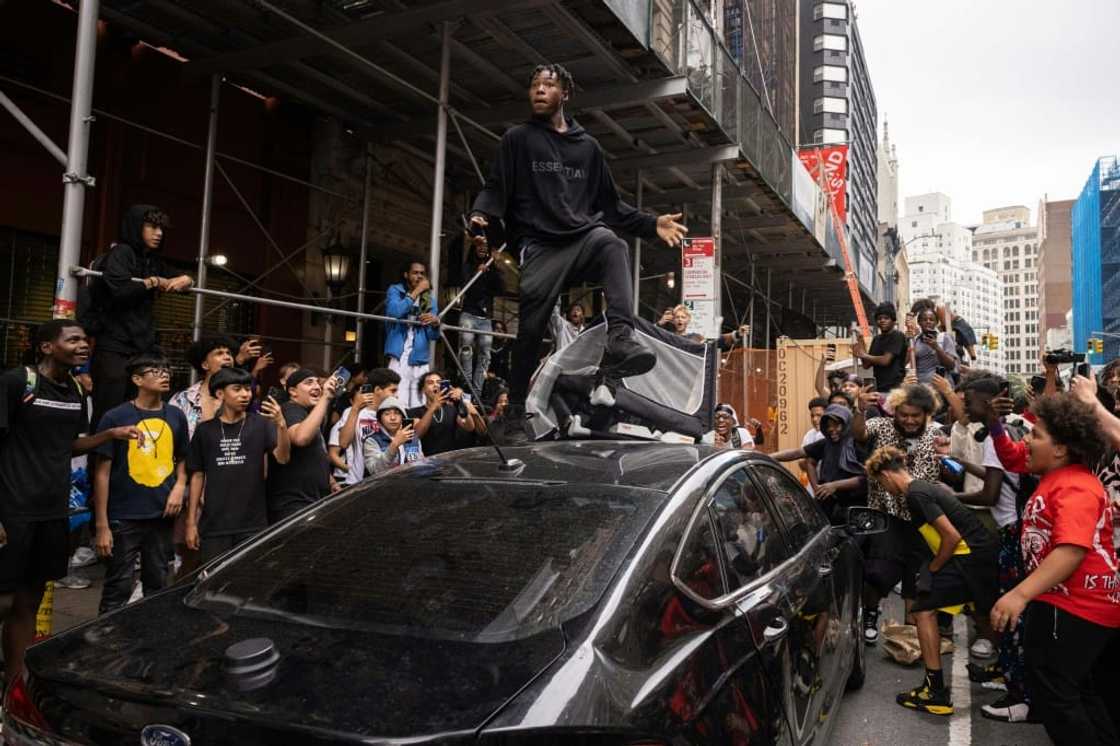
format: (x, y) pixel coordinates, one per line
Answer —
(407, 345)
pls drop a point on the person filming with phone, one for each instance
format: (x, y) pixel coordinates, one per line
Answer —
(445, 417)
(395, 443)
(932, 349)
(306, 477)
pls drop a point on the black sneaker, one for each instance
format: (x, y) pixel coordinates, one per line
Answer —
(933, 701)
(871, 626)
(990, 673)
(1008, 709)
(625, 356)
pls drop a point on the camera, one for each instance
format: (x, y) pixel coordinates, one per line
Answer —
(1063, 356)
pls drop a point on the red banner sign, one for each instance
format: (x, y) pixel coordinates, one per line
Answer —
(834, 160)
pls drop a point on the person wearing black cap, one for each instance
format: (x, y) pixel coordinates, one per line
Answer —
(307, 475)
(888, 350)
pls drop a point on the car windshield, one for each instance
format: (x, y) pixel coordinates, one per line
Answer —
(486, 561)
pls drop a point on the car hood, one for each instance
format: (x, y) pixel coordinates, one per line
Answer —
(166, 661)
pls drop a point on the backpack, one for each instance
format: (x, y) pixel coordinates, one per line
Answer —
(89, 310)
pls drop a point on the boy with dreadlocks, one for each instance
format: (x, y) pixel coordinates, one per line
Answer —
(552, 187)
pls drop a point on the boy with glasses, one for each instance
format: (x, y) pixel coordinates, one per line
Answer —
(139, 485)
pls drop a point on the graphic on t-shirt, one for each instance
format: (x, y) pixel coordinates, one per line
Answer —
(150, 463)
(231, 454)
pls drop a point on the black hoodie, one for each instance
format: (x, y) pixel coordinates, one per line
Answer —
(556, 186)
(123, 307)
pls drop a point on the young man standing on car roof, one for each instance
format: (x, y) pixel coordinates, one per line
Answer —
(553, 188)
(42, 412)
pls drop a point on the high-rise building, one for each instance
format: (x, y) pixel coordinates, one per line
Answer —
(887, 160)
(1055, 272)
(941, 268)
(762, 36)
(894, 265)
(1096, 261)
(1008, 244)
(837, 105)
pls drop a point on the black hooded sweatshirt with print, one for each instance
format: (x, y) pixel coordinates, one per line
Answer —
(555, 186)
(124, 308)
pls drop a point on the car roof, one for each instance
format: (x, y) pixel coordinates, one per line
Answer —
(649, 465)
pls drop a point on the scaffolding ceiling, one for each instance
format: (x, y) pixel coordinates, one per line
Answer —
(380, 78)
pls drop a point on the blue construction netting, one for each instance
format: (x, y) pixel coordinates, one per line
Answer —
(1096, 260)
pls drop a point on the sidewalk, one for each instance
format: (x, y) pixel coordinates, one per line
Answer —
(72, 607)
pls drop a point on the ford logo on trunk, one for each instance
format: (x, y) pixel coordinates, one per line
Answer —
(163, 735)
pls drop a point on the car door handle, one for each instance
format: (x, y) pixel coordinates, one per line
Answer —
(824, 570)
(776, 630)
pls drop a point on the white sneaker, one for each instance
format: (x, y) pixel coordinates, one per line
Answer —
(83, 557)
(1008, 710)
(983, 648)
(73, 582)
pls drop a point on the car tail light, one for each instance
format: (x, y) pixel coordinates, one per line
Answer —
(23, 723)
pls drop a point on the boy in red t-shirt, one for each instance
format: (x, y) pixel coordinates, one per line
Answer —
(1073, 589)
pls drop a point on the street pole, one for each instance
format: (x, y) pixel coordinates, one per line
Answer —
(769, 305)
(328, 322)
(76, 179)
(717, 240)
(441, 165)
(638, 249)
(207, 204)
(362, 254)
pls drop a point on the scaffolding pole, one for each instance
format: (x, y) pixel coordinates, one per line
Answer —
(440, 167)
(29, 125)
(367, 194)
(207, 205)
(637, 247)
(76, 179)
(769, 306)
(717, 240)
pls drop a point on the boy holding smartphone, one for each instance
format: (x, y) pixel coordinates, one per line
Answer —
(306, 476)
(395, 443)
(445, 417)
(228, 457)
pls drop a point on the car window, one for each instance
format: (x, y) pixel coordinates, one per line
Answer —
(802, 517)
(698, 567)
(749, 536)
(472, 560)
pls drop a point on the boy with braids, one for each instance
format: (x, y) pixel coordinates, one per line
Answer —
(552, 187)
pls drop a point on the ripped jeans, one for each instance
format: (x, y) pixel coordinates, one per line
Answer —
(475, 368)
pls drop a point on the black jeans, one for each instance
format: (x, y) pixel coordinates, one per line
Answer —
(110, 383)
(150, 540)
(547, 269)
(1060, 651)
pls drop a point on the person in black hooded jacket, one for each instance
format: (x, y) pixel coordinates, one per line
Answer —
(120, 312)
(552, 187)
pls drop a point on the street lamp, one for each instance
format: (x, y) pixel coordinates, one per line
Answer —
(336, 265)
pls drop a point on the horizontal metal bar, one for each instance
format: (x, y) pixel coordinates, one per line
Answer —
(83, 272)
(608, 97)
(29, 125)
(690, 157)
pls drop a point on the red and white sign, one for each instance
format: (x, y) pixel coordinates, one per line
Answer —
(834, 181)
(700, 285)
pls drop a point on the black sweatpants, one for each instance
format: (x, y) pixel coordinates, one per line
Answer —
(547, 270)
(110, 382)
(1061, 650)
(150, 540)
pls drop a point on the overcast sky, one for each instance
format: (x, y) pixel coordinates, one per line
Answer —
(995, 102)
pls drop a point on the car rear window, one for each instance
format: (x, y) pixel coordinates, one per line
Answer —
(467, 560)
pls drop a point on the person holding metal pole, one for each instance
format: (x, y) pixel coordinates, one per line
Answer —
(118, 313)
(477, 307)
(552, 187)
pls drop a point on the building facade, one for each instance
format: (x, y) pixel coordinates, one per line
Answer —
(1008, 244)
(1096, 260)
(941, 267)
(887, 162)
(837, 105)
(762, 37)
(1055, 269)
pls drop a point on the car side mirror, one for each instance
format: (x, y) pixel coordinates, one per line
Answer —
(866, 521)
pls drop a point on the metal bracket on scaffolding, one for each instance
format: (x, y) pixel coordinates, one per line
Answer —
(72, 178)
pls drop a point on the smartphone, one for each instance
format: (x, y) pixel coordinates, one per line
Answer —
(444, 385)
(1084, 370)
(1005, 390)
(940, 370)
(407, 422)
(1038, 384)
(343, 376)
(954, 467)
(466, 397)
(276, 393)
(366, 388)
(830, 352)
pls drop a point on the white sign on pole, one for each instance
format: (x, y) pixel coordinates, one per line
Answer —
(699, 288)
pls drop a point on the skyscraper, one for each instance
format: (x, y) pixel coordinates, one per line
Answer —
(941, 268)
(1055, 272)
(1096, 260)
(837, 105)
(1008, 244)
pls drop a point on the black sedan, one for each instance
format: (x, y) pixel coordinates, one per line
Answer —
(601, 592)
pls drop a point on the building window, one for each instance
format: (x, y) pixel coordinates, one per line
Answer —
(830, 10)
(831, 135)
(831, 73)
(830, 105)
(835, 42)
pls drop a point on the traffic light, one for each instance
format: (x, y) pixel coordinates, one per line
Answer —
(1096, 345)
(984, 341)
(993, 341)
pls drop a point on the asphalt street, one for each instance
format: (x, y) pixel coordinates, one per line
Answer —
(870, 717)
